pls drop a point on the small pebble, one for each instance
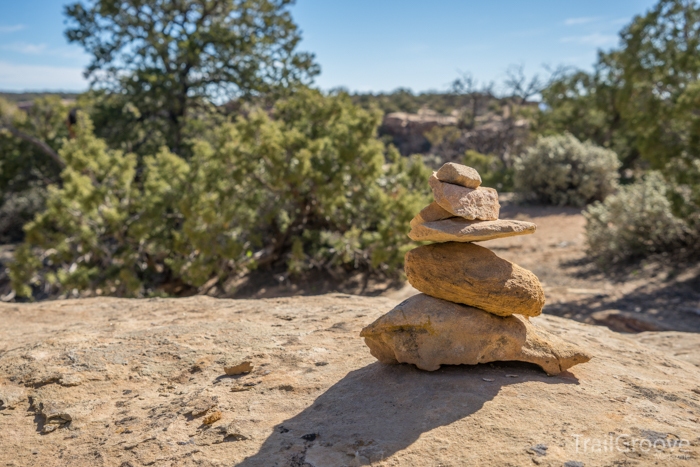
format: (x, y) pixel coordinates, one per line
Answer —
(539, 449)
(241, 388)
(245, 367)
(212, 417)
(490, 380)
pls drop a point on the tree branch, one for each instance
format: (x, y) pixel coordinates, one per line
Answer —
(39, 144)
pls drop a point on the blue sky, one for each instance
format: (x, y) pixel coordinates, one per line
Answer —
(364, 45)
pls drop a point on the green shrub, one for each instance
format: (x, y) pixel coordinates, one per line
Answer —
(561, 170)
(305, 186)
(685, 192)
(24, 169)
(636, 221)
(18, 208)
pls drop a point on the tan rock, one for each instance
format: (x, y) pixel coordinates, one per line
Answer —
(430, 332)
(457, 229)
(474, 275)
(480, 203)
(459, 174)
(244, 367)
(212, 417)
(430, 213)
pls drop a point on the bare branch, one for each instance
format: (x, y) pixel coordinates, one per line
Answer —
(520, 86)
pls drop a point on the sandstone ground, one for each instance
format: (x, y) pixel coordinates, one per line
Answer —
(114, 382)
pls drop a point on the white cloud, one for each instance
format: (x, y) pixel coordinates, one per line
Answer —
(25, 48)
(14, 77)
(596, 39)
(9, 29)
(581, 20)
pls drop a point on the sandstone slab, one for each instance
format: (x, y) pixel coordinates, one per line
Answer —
(457, 229)
(473, 275)
(429, 332)
(136, 356)
(430, 213)
(459, 174)
(480, 203)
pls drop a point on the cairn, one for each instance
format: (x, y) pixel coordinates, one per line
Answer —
(475, 306)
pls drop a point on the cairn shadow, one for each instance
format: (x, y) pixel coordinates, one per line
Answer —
(378, 410)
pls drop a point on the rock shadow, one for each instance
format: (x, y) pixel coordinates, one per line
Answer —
(378, 410)
(668, 303)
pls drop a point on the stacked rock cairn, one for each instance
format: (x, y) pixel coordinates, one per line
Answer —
(475, 307)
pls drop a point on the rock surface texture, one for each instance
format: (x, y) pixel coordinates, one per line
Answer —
(473, 275)
(430, 213)
(430, 332)
(479, 203)
(151, 372)
(459, 175)
(461, 230)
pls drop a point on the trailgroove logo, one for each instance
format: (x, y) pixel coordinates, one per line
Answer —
(628, 443)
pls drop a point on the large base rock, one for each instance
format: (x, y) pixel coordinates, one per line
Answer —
(473, 275)
(461, 230)
(430, 332)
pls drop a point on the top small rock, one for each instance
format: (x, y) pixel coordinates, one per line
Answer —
(458, 174)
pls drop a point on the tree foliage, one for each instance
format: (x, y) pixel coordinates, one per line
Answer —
(165, 58)
(640, 99)
(305, 186)
(28, 159)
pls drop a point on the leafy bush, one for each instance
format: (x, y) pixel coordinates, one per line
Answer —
(561, 170)
(25, 169)
(636, 221)
(17, 209)
(307, 186)
(685, 192)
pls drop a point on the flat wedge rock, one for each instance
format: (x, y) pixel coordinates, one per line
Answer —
(473, 275)
(459, 174)
(430, 213)
(480, 203)
(457, 229)
(429, 332)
